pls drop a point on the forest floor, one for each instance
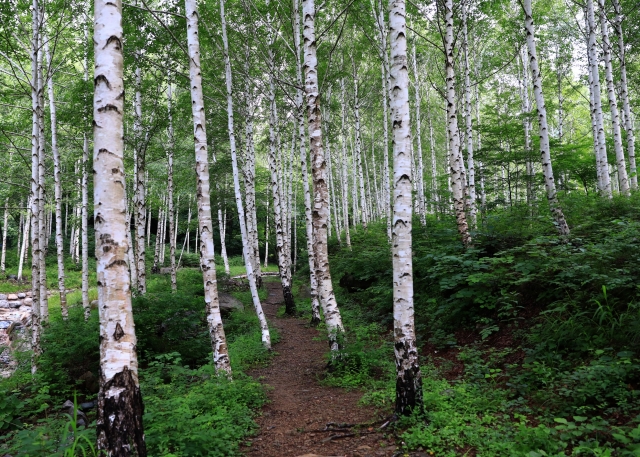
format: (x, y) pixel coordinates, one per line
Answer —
(304, 417)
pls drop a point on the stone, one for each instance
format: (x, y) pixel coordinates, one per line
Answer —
(27, 301)
(12, 277)
(4, 304)
(28, 294)
(3, 297)
(15, 303)
(22, 295)
(229, 302)
(5, 324)
(12, 297)
(13, 327)
(165, 270)
(88, 405)
(93, 304)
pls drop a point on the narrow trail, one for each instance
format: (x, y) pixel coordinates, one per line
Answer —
(299, 408)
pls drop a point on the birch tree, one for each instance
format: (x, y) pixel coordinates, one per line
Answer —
(173, 226)
(320, 213)
(246, 248)
(408, 377)
(545, 153)
(468, 120)
(205, 223)
(120, 409)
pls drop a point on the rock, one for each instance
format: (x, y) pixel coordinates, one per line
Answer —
(13, 327)
(28, 294)
(27, 301)
(165, 271)
(12, 297)
(3, 297)
(88, 405)
(12, 277)
(90, 382)
(81, 418)
(93, 304)
(15, 304)
(22, 295)
(5, 324)
(4, 304)
(229, 302)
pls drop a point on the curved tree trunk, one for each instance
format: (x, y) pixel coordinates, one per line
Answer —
(456, 164)
(545, 154)
(246, 246)
(120, 408)
(328, 302)
(205, 223)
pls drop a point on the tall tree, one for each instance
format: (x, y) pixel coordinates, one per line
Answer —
(119, 422)
(408, 377)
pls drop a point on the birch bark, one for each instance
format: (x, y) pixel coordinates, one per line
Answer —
(278, 203)
(455, 156)
(4, 235)
(601, 156)
(139, 193)
(207, 255)
(57, 188)
(42, 231)
(408, 377)
(315, 302)
(358, 149)
(623, 178)
(624, 95)
(545, 154)
(469, 122)
(320, 212)
(173, 227)
(344, 173)
(420, 171)
(120, 408)
(246, 247)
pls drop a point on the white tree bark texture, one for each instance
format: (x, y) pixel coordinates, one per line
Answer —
(455, 157)
(140, 211)
(173, 227)
(420, 171)
(408, 377)
(246, 246)
(624, 96)
(320, 210)
(205, 223)
(276, 188)
(623, 179)
(5, 224)
(343, 168)
(315, 302)
(42, 231)
(469, 122)
(601, 156)
(358, 149)
(57, 188)
(120, 409)
(545, 154)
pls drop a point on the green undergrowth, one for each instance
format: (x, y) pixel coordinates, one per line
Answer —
(190, 411)
(528, 341)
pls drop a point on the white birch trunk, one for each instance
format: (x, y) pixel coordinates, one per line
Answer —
(408, 377)
(358, 149)
(545, 154)
(173, 227)
(24, 248)
(42, 231)
(344, 172)
(313, 280)
(266, 237)
(623, 179)
(156, 253)
(455, 156)
(601, 156)
(222, 224)
(420, 169)
(246, 247)
(207, 256)
(320, 212)
(57, 188)
(140, 211)
(469, 124)
(119, 421)
(624, 96)
(4, 235)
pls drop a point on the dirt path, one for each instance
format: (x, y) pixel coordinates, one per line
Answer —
(299, 404)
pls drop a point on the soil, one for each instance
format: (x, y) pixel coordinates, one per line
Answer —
(302, 416)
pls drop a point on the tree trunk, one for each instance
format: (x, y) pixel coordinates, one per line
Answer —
(281, 245)
(344, 172)
(140, 212)
(24, 248)
(57, 189)
(4, 236)
(601, 156)
(266, 237)
(358, 150)
(469, 124)
(207, 255)
(86, 305)
(408, 378)
(455, 157)
(246, 246)
(42, 232)
(328, 302)
(119, 421)
(623, 179)
(624, 95)
(173, 227)
(420, 171)
(545, 154)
